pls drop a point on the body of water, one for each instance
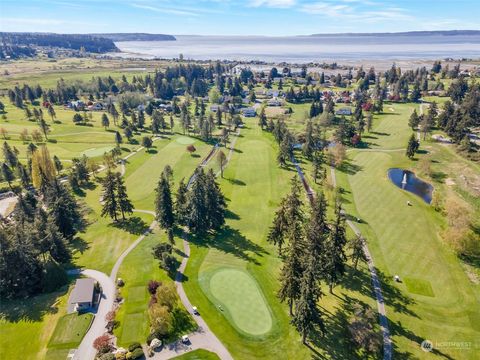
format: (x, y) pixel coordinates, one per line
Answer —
(303, 49)
(406, 180)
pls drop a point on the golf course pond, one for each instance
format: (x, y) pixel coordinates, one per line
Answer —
(406, 180)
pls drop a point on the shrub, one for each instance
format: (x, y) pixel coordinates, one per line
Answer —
(137, 353)
(120, 356)
(134, 346)
(107, 356)
(154, 335)
(191, 149)
(169, 262)
(103, 344)
(110, 316)
(153, 286)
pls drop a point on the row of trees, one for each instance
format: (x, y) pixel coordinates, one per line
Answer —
(38, 237)
(200, 207)
(313, 252)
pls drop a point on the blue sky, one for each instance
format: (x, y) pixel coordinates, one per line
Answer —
(237, 17)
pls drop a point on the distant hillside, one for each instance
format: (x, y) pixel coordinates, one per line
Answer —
(31, 41)
(136, 37)
(410, 33)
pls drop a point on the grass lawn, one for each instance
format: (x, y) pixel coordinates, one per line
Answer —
(390, 129)
(26, 326)
(436, 301)
(253, 180)
(70, 330)
(138, 268)
(241, 299)
(199, 354)
(145, 168)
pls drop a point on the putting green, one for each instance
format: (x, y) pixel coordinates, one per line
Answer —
(93, 152)
(185, 140)
(241, 300)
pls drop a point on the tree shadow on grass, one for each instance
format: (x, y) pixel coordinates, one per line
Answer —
(336, 343)
(133, 225)
(79, 244)
(397, 329)
(231, 215)
(231, 241)
(31, 309)
(438, 176)
(236, 182)
(362, 282)
(380, 133)
(349, 168)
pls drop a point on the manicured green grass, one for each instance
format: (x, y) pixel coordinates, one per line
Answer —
(70, 330)
(142, 177)
(26, 326)
(103, 241)
(254, 184)
(199, 354)
(390, 129)
(436, 301)
(240, 298)
(138, 268)
(419, 286)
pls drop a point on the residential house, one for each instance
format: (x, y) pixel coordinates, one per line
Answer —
(81, 297)
(344, 111)
(249, 112)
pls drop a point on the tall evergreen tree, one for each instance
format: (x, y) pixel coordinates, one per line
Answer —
(335, 257)
(181, 211)
(164, 206)
(307, 315)
(109, 197)
(412, 147)
(124, 204)
(63, 208)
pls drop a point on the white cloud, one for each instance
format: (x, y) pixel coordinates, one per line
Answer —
(273, 3)
(350, 10)
(166, 10)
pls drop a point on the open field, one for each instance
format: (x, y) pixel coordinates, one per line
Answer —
(436, 301)
(253, 180)
(70, 330)
(47, 72)
(34, 319)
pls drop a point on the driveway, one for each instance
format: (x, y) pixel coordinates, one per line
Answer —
(86, 349)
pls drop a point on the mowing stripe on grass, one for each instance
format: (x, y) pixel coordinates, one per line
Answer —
(239, 293)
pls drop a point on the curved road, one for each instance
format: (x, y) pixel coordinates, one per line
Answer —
(203, 338)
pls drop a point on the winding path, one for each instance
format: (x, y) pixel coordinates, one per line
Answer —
(377, 289)
(203, 338)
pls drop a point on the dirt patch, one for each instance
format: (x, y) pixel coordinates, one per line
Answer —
(274, 111)
(449, 182)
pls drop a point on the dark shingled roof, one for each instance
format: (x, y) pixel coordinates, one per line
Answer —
(83, 291)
